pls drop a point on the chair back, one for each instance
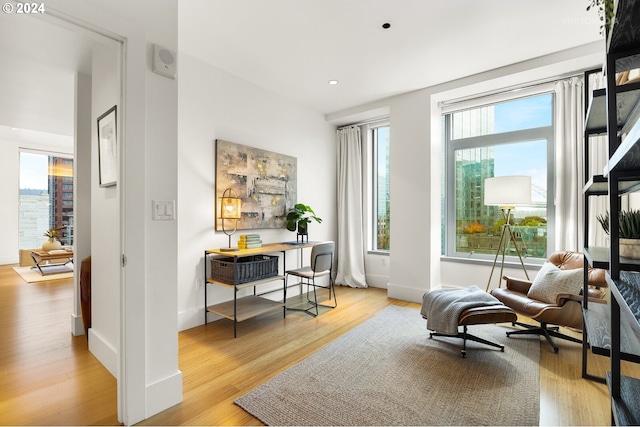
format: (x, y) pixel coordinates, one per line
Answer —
(322, 256)
(568, 260)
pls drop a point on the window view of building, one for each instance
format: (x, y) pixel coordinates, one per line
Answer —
(46, 198)
(381, 211)
(505, 139)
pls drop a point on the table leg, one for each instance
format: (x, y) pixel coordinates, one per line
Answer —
(37, 263)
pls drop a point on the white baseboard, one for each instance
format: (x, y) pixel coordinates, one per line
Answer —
(190, 318)
(8, 260)
(104, 352)
(194, 317)
(377, 281)
(164, 394)
(77, 326)
(405, 293)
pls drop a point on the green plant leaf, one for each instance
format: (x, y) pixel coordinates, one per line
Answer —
(300, 214)
(628, 224)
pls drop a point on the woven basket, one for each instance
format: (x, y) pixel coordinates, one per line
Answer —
(246, 269)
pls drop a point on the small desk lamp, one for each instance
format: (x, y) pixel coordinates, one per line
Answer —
(230, 206)
(507, 192)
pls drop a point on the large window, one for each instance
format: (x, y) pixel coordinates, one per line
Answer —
(513, 137)
(381, 213)
(46, 198)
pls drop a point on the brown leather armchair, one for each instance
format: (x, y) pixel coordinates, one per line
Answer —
(567, 309)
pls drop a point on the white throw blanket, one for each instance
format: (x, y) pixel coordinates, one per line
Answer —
(442, 307)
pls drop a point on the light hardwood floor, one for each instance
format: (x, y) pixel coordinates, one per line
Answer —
(48, 377)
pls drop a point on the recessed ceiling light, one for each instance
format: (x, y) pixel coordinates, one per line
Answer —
(333, 82)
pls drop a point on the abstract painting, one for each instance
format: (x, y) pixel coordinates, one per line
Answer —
(265, 181)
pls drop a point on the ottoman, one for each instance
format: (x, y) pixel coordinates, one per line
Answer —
(481, 314)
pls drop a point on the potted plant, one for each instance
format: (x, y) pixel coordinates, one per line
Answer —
(605, 13)
(54, 240)
(629, 232)
(299, 217)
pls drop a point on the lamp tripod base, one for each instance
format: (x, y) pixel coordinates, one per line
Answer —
(505, 237)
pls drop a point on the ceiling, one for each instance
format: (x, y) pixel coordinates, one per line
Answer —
(37, 78)
(294, 47)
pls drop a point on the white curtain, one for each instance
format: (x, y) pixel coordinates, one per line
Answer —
(570, 173)
(350, 246)
(569, 170)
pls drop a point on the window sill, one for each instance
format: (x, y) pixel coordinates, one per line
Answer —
(529, 263)
(374, 252)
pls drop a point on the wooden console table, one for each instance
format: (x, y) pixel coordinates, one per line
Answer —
(39, 257)
(247, 307)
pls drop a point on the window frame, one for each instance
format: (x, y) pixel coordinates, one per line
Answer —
(450, 146)
(373, 193)
(66, 159)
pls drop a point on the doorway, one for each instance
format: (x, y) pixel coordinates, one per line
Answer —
(47, 94)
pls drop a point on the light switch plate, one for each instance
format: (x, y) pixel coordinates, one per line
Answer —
(164, 210)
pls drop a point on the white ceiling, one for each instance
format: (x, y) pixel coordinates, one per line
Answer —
(39, 62)
(293, 47)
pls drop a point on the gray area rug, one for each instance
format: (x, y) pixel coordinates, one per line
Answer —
(387, 371)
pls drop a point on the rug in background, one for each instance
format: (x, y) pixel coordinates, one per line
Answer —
(31, 276)
(387, 371)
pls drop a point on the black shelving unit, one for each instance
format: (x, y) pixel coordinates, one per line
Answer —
(623, 175)
(595, 330)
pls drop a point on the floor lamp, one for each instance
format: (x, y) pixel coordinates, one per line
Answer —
(507, 192)
(230, 207)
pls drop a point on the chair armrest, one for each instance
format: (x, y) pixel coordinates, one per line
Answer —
(597, 293)
(518, 285)
(563, 298)
(597, 278)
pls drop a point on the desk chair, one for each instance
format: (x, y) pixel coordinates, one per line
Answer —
(321, 265)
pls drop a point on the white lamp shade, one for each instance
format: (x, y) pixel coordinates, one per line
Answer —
(507, 191)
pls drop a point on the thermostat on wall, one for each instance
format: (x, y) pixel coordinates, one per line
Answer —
(164, 61)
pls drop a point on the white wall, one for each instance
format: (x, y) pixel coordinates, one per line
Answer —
(10, 178)
(215, 105)
(147, 369)
(82, 189)
(415, 265)
(376, 267)
(104, 334)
